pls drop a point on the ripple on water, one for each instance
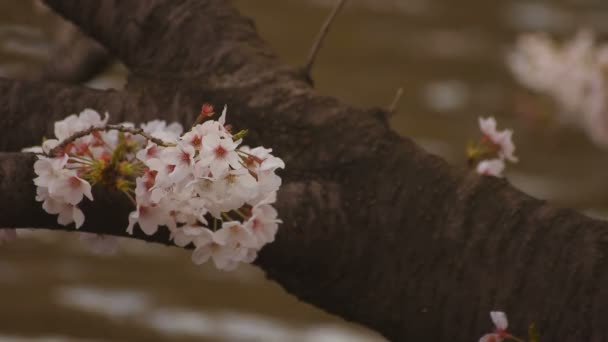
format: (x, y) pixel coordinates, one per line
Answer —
(536, 16)
(109, 303)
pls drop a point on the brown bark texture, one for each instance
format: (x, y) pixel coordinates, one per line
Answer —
(376, 230)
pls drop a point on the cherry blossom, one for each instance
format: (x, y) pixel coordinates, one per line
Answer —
(179, 160)
(73, 124)
(499, 319)
(70, 188)
(491, 167)
(202, 186)
(494, 149)
(149, 218)
(160, 129)
(210, 246)
(219, 153)
(502, 139)
(68, 213)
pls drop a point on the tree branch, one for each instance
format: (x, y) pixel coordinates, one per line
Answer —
(376, 230)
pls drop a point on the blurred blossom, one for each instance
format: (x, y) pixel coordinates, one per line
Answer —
(572, 74)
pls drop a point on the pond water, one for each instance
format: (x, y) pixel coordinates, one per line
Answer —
(449, 57)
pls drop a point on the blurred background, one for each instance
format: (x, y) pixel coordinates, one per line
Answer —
(449, 57)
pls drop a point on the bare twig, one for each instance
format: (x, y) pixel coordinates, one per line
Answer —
(132, 130)
(321, 36)
(392, 108)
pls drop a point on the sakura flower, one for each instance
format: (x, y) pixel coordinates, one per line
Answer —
(180, 160)
(151, 151)
(49, 170)
(502, 139)
(500, 321)
(233, 233)
(219, 153)
(185, 235)
(70, 188)
(208, 246)
(229, 192)
(68, 213)
(100, 244)
(148, 218)
(159, 129)
(492, 167)
(196, 135)
(73, 124)
(263, 165)
(162, 184)
(263, 224)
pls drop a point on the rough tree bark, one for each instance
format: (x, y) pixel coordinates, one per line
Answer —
(376, 230)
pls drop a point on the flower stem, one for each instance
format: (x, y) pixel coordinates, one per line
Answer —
(137, 131)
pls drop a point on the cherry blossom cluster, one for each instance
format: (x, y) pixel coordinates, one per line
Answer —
(490, 154)
(210, 192)
(203, 186)
(573, 75)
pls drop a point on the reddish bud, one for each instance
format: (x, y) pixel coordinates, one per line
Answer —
(105, 156)
(207, 109)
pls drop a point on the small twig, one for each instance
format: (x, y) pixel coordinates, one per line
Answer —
(392, 108)
(321, 36)
(120, 128)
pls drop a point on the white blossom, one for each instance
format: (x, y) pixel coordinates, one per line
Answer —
(209, 246)
(68, 213)
(159, 129)
(149, 218)
(74, 124)
(49, 170)
(502, 139)
(263, 223)
(177, 185)
(179, 160)
(70, 188)
(219, 153)
(492, 167)
(500, 321)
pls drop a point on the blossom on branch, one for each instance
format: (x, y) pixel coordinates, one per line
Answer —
(202, 186)
(494, 149)
(500, 334)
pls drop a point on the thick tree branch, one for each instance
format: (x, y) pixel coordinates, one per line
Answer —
(28, 109)
(214, 38)
(376, 230)
(76, 60)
